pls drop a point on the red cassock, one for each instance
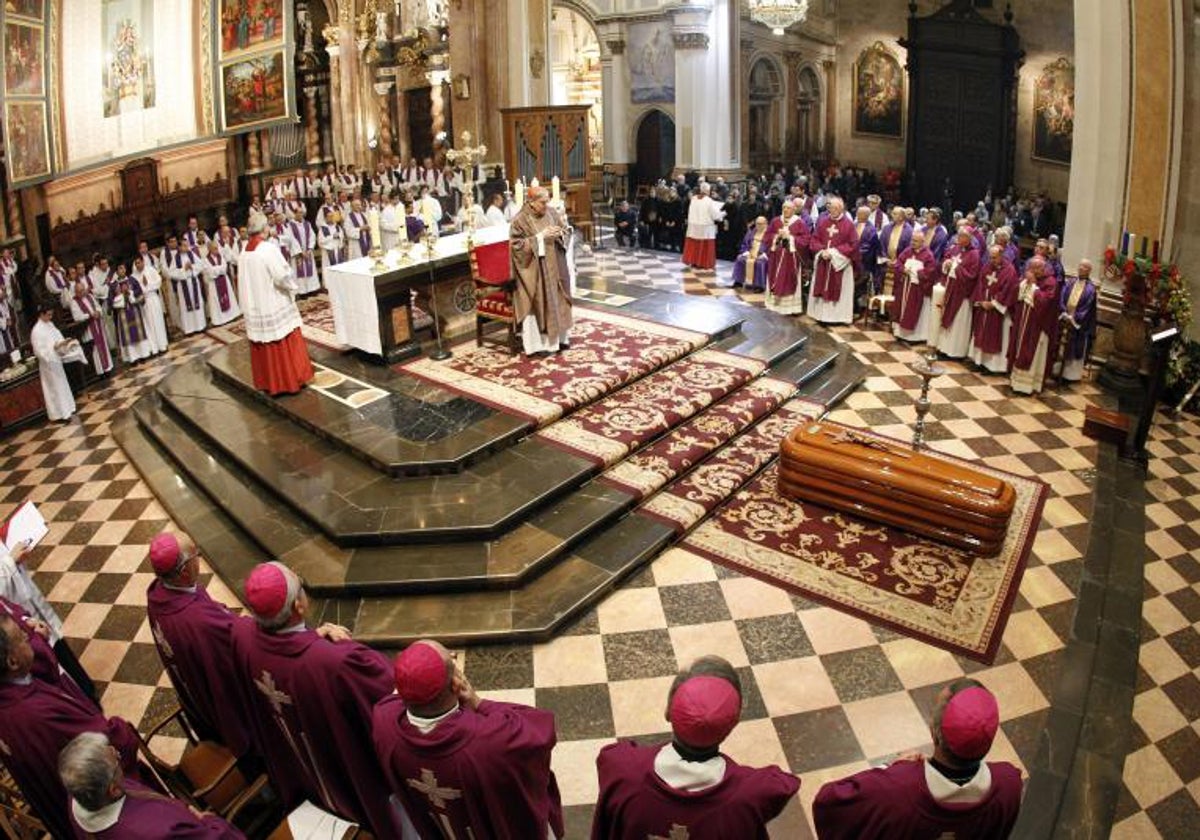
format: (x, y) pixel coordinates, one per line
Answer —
(999, 285)
(893, 802)
(483, 774)
(842, 237)
(959, 288)
(193, 634)
(635, 803)
(281, 367)
(783, 264)
(45, 660)
(1030, 322)
(310, 704)
(146, 815)
(905, 310)
(36, 721)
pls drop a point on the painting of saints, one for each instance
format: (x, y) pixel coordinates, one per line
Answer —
(254, 91)
(25, 138)
(250, 24)
(878, 92)
(1054, 112)
(24, 60)
(651, 63)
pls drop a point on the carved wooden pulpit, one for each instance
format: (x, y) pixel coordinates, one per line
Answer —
(547, 141)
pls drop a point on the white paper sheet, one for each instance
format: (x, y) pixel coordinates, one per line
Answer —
(308, 822)
(26, 523)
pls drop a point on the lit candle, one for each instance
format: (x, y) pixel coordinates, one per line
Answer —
(935, 321)
(373, 226)
(519, 195)
(554, 194)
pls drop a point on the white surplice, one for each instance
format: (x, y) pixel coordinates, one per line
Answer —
(60, 402)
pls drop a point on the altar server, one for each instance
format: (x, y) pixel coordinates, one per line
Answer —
(952, 793)
(104, 804)
(1078, 321)
(789, 236)
(49, 347)
(910, 311)
(1034, 325)
(960, 271)
(179, 268)
(279, 360)
(310, 694)
(86, 309)
(994, 297)
(128, 301)
(752, 257)
(194, 637)
(222, 297)
(151, 282)
(689, 788)
(834, 244)
(37, 720)
(700, 244)
(462, 766)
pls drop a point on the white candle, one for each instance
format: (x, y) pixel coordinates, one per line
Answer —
(519, 196)
(554, 194)
(935, 322)
(373, 226)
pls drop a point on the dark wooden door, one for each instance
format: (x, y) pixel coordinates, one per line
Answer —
(655, 147)
(420, 122)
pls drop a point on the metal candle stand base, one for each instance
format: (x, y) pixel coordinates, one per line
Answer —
(927, 368)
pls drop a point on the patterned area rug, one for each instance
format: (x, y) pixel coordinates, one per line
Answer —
(622, 422)
(607, 351)
(943, 596)
(317, 315)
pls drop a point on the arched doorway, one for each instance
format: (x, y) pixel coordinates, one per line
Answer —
(766, 86)
(575, 70)
(655, 148)
(808, 104)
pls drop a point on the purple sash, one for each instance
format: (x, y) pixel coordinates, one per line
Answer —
(364, 235)
(60, 279)
(190, 303)
(99, 343)
(222, 285)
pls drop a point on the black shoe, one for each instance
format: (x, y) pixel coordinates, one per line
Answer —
(566, 345)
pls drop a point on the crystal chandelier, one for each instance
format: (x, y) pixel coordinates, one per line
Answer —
(778, 14)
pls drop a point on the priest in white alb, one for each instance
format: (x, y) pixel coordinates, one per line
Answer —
(700, 246)
(51, 348)
(278, 355)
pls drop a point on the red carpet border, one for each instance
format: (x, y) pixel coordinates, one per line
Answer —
(623, 422)
(943, 596)
(607, 352)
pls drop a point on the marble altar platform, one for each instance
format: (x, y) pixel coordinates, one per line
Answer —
(412, 510)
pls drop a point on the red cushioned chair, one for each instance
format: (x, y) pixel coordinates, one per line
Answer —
(491, 269)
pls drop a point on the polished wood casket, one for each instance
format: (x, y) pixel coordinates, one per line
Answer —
(884, 481)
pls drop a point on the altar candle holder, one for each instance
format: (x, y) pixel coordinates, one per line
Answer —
(441, 353)
(927, 368)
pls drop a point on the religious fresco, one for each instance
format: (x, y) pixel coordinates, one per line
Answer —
(1054, 112)
(25, 8)
(253, 91)
(24, 60)
(26, 142)
(878, 92)
(250, 25)
(651, 56)
(128, 37)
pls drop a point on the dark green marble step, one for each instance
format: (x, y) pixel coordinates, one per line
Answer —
(535, 612)
(417, 429)
(819, 353)
(832, 383)
(352, 503)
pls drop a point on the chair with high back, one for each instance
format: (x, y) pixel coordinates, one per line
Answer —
(491, 270)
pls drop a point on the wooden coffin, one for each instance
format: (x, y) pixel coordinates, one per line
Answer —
(835, 466)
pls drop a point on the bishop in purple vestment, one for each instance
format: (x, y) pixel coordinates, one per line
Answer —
(995, 294)
(37, 720)
(894, 240)
(960, 271)
(834, 245)
(1078, 321)
(868, 251)
(752, 257)
(917, 271)
(465, 767)
(936, 235)
(104, 804)
(788, 236)
(194, 637)
(310, 695)
(689, 788)
(953, 793)
(45, 661)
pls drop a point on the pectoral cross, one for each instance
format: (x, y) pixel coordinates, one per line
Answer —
(677, 832)
(163, 644)
(428, 785)
(277, 698)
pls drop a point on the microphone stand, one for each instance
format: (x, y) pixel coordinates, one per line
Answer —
(441, 354)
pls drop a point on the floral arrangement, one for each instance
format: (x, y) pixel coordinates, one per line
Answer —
(1150, 284)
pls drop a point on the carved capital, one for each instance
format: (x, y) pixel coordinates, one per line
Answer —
(616, 46)
(382, 88)
(537, 63)
(690, 40)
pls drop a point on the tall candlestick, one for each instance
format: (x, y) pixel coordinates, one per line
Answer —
(1125, 243)
(937, 299)
(519, 196)
(554, 193)
(373, 226)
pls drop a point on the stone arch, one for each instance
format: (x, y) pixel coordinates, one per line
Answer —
(765, 84)
(810, 105)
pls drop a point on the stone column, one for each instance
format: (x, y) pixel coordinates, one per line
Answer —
(830, 150)
(437, 99)
(528, 52)
(614, 86)
(403, 141)
(705, 128)
(791, 103)
(253, 153)
(383, 94)
(312, 126)
(335, 89)
(264, 142)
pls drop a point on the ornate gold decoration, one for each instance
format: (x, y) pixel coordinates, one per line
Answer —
(690, 40)
(331, 33)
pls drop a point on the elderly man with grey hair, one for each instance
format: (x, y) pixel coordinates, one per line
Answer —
(278, 355)
(104, 804)
(309, 696)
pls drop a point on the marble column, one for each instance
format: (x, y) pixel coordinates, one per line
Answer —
(791, 103)
(528, 52)
(335, 89)
(614, 102)
(312, 126)
(706, 135)
(383, 94)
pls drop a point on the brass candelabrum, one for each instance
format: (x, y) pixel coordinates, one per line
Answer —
(430, 239)
(927, 368)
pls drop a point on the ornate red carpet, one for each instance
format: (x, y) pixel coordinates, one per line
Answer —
(943, 596)
(607, 351)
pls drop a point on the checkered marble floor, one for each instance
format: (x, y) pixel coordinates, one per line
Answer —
(827, 694)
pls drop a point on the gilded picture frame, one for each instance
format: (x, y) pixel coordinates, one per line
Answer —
(878, 101)
(1054, 112)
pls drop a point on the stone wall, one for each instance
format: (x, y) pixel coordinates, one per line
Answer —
(1185, 248)
(1046, 28)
